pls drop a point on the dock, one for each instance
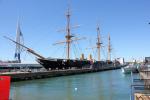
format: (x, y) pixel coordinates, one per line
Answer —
(22, 76)
(140, 88)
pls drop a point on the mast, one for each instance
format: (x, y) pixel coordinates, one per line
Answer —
(68, 34)
(19, 38)
(98, 42)
(109, 48)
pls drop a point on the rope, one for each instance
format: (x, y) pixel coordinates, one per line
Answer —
(55, 51)
(75, 50)
(79, 47)
(104, 53)
(63, 54)
(94, 53)
(25, 55)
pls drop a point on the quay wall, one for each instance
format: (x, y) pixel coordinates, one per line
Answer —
(22, 76)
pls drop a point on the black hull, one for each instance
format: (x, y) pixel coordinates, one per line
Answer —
(63, 63)
(105, 64)
(100, 64)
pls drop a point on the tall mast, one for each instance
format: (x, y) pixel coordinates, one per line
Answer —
(98, 42)
(109, 48)
(18, 40)
(68, 34)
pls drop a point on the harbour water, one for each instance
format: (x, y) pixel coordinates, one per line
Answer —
(107, 85)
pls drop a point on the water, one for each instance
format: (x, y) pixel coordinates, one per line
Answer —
(108, 85)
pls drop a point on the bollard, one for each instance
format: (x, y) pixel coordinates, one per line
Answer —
(4, 87)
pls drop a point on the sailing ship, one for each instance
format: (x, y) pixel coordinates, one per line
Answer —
(54, 63)
(57, 63)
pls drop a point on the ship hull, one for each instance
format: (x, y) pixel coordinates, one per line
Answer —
(63, 63)
(101, 64)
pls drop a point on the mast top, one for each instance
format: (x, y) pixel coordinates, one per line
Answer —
(68, 13)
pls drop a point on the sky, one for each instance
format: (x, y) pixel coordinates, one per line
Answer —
(125, 20)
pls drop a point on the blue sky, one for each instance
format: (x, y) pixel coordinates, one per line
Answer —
(125, 20)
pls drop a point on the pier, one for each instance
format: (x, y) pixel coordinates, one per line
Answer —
(22, 76)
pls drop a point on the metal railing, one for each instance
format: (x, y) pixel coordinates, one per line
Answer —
(140, 88)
